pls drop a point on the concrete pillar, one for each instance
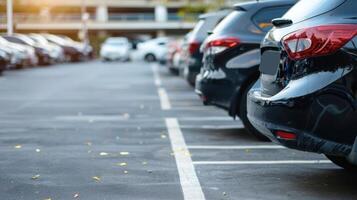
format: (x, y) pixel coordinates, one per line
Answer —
(161, 13)
(102, 13)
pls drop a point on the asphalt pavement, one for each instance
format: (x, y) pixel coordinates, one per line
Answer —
(110, 131)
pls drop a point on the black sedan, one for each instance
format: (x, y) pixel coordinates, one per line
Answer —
(232, 57)
(306, 95)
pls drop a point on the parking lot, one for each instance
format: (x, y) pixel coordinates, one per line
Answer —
(116, 130)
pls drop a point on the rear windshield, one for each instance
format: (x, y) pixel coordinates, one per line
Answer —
(230, 24)
(306, 9)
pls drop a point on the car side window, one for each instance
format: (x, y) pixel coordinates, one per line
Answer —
(262, 19)
(16, 40)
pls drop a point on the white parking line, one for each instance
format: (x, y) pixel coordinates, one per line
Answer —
(237, 147)
(155, 71)
(164, 99)
(190, 184)
(266, 162)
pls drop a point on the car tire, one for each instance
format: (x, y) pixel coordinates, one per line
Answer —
(342, 162)
(243, 116)
(174, 71)
(150, 57)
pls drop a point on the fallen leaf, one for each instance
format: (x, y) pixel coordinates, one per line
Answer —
(96, 178)
(37, 176)
(144, 163)
(38, 150)
(124, 153)
(224, 194)
(122, 164)
(103, 153)
(18, 146)
(125, 172)
(76, 195)
(163, 136)
(47, 199)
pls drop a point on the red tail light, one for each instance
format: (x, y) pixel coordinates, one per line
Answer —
(193, 46)
(318, 41)
(222, 44)
(285, 135)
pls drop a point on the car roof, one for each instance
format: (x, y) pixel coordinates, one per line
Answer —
(246, 6)
(215, 14)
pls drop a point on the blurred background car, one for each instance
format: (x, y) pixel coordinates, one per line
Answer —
(192, 54)
(73, 51)
(116, 48)
(174, 55)
(56, 52)
(26, 53)
(153, 50)
(5, 59)
(232, 57)
(305, 97)
(42, 51)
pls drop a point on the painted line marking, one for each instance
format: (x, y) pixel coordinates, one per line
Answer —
(237, 147)
(190, 184)
(164, 99)
(267, 162)
(155, 71)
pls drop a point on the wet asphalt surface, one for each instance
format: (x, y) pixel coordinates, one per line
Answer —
(97, 131)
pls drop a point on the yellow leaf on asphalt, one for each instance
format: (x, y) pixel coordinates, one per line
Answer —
(18, 146)
(125, 172)
(144, 163)
(103, 153)
(163, 136)
(38, 150)
(96, 178)
(37, 176)
(124, 153)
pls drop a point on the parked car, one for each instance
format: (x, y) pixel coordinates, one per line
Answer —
(153, 50)
(174, 55)
(56, 52)
(193, 56)
(23, 55)
(86, 49)
(72, 51)
(116, 48)
(5, 59)
(42, 51)
(305, 97)
(232, 56)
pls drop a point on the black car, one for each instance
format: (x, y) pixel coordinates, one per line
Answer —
(306, 95)
(42, 52)
(232, 56)
(193, 56)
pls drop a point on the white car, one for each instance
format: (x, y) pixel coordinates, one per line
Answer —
(116, 48)
(153, 50)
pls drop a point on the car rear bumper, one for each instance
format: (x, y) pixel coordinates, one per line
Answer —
(321, 121)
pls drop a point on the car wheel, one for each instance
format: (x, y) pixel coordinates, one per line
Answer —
(150, 58)
(243, 116)
(342, 162)
(174, 71)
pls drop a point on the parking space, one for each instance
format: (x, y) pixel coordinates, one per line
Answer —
(116, 130)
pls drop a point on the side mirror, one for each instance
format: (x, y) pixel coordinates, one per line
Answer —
(209, 32)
